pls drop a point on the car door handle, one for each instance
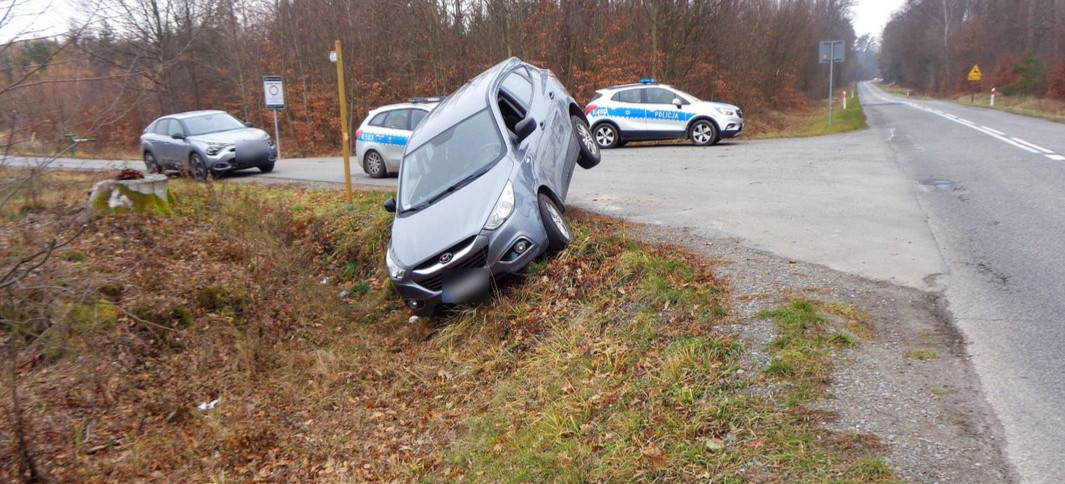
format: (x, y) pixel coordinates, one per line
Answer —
(541, 125)
(551, 95)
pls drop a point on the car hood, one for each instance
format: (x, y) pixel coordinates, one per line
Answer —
(452, 219)
(232, 136)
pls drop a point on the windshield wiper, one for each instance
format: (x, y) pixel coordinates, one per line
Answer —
(453, 188)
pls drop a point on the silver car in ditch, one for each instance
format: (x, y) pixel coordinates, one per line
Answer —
(483, 184)
(204, 144)
(380, 140)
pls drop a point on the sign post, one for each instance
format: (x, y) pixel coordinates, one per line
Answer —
(974, 76)
(831, 52)
(337, 56)
(274, 95)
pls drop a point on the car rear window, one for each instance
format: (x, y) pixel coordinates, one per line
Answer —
(416, 117)
(628, 96)
(398, 119)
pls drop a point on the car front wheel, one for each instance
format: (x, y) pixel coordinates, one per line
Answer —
(558, 232)
(589, 154)
(197, 167)
(267, 168)
(606, 136)
(704, 133)
(375, 165)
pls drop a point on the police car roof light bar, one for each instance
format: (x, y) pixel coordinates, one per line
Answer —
(647, 80)
(427, 99)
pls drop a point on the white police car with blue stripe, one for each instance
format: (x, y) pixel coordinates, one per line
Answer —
(652, 111)
(383, 135)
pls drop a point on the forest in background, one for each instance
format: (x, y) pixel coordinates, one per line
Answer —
(135, 60)
(1020, 45)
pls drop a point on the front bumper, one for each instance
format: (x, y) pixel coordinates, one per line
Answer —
(732, 128)
(229, 159)
(423, 287)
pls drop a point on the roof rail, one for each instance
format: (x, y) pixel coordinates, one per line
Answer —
(436, 99)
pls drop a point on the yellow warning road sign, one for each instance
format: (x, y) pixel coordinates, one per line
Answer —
(975, 74)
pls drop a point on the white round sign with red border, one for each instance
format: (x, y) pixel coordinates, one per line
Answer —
(274, 92)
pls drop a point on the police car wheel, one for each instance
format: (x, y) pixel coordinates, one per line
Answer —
(375, 165)
(703, 133)
(589, 154)
(606, 136)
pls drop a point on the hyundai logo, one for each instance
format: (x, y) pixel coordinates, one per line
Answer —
(444, 259)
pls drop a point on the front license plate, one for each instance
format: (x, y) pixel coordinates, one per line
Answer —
(466, 286)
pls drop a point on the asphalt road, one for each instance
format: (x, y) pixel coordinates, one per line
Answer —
(933, 195)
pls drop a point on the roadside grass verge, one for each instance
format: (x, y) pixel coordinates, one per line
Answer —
(810, 121)
(1036, 107)
(603, 364)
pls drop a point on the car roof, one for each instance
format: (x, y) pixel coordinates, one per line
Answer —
(467, 100)
(390, 107)
(192, 114)
(636, 84)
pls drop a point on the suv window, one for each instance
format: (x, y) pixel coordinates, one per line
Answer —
(657, 95)
(416, 117)
(628, 96)
(162, 127)
(398, 119)
(519, 87)
(175, 128)
(378, 120)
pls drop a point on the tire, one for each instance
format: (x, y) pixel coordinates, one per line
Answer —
(558, 232)
(588, 155)
(703, 133)
(374, 164)
(197, 167)
(606, 136)
(151, 164)
(267, 168)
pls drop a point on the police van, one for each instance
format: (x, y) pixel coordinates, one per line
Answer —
(383, 135)
(652, 111)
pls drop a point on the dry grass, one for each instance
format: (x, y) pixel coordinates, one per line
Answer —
(811, 120)
(1038, 107)
(602, 364)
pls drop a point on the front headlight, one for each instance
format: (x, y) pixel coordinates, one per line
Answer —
(394, 270)
(503, 209)
(213, 149)
(726, 111)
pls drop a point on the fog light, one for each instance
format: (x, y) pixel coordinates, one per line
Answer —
(521, 246)
(414, 304)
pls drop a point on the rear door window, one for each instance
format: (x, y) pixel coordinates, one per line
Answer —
(416, 117)
(628, 96)
(162, 127)
(657, 95)
(398, 119)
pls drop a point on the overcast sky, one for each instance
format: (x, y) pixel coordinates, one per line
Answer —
(35, 18)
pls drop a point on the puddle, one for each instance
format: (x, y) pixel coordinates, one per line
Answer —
(937, 185)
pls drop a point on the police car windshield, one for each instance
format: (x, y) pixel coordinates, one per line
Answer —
(212, 123)
(450, 160)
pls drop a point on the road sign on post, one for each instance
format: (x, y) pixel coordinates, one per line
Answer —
(974, 76)
(831, 52)
(274, 96)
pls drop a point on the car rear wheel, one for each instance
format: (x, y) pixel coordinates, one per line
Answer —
(197, 167)
(267, 168)
(558, 233)
(589, 154)
(374, 165)
(151, 164)
(606, 136)
(703, 133)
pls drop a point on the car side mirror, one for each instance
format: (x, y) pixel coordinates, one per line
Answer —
(249, 124)
(178, 136)
(524, 128)
(678, 102)
(390, 205)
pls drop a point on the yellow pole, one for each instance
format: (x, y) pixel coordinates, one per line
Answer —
(344, 136)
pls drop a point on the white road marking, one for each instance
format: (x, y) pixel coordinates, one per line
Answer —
(1032, 145)
(1000, 133)
(1056, 157)
(966, 121)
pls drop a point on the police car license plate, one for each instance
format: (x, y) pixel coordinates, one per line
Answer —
(466, 285)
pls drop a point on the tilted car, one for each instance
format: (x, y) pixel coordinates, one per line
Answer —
(483, 184)
(651, 111)
(205, 143)
(380, 140)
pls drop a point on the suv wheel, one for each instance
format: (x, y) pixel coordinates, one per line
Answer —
(558, 233)
(266, 168)
(607, 136)
(703, 133)
(197, 168)
(374, 165)
(589, 154)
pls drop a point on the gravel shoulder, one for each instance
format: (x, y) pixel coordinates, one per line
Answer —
(930, 412)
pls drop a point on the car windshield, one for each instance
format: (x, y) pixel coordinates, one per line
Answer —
(449, 161)
(212, 123)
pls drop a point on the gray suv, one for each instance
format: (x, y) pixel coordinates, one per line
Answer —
(205, 143)
(483, 183)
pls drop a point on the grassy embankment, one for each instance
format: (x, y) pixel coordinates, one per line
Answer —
(603, 364)
(1037, 107)
(809, 121)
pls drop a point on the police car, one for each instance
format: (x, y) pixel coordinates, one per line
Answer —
(383, 135)
(652, 111)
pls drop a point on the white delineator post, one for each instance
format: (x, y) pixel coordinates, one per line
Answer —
(844, 100)
(993, 92)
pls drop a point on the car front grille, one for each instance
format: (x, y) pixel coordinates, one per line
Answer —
(475, 260)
